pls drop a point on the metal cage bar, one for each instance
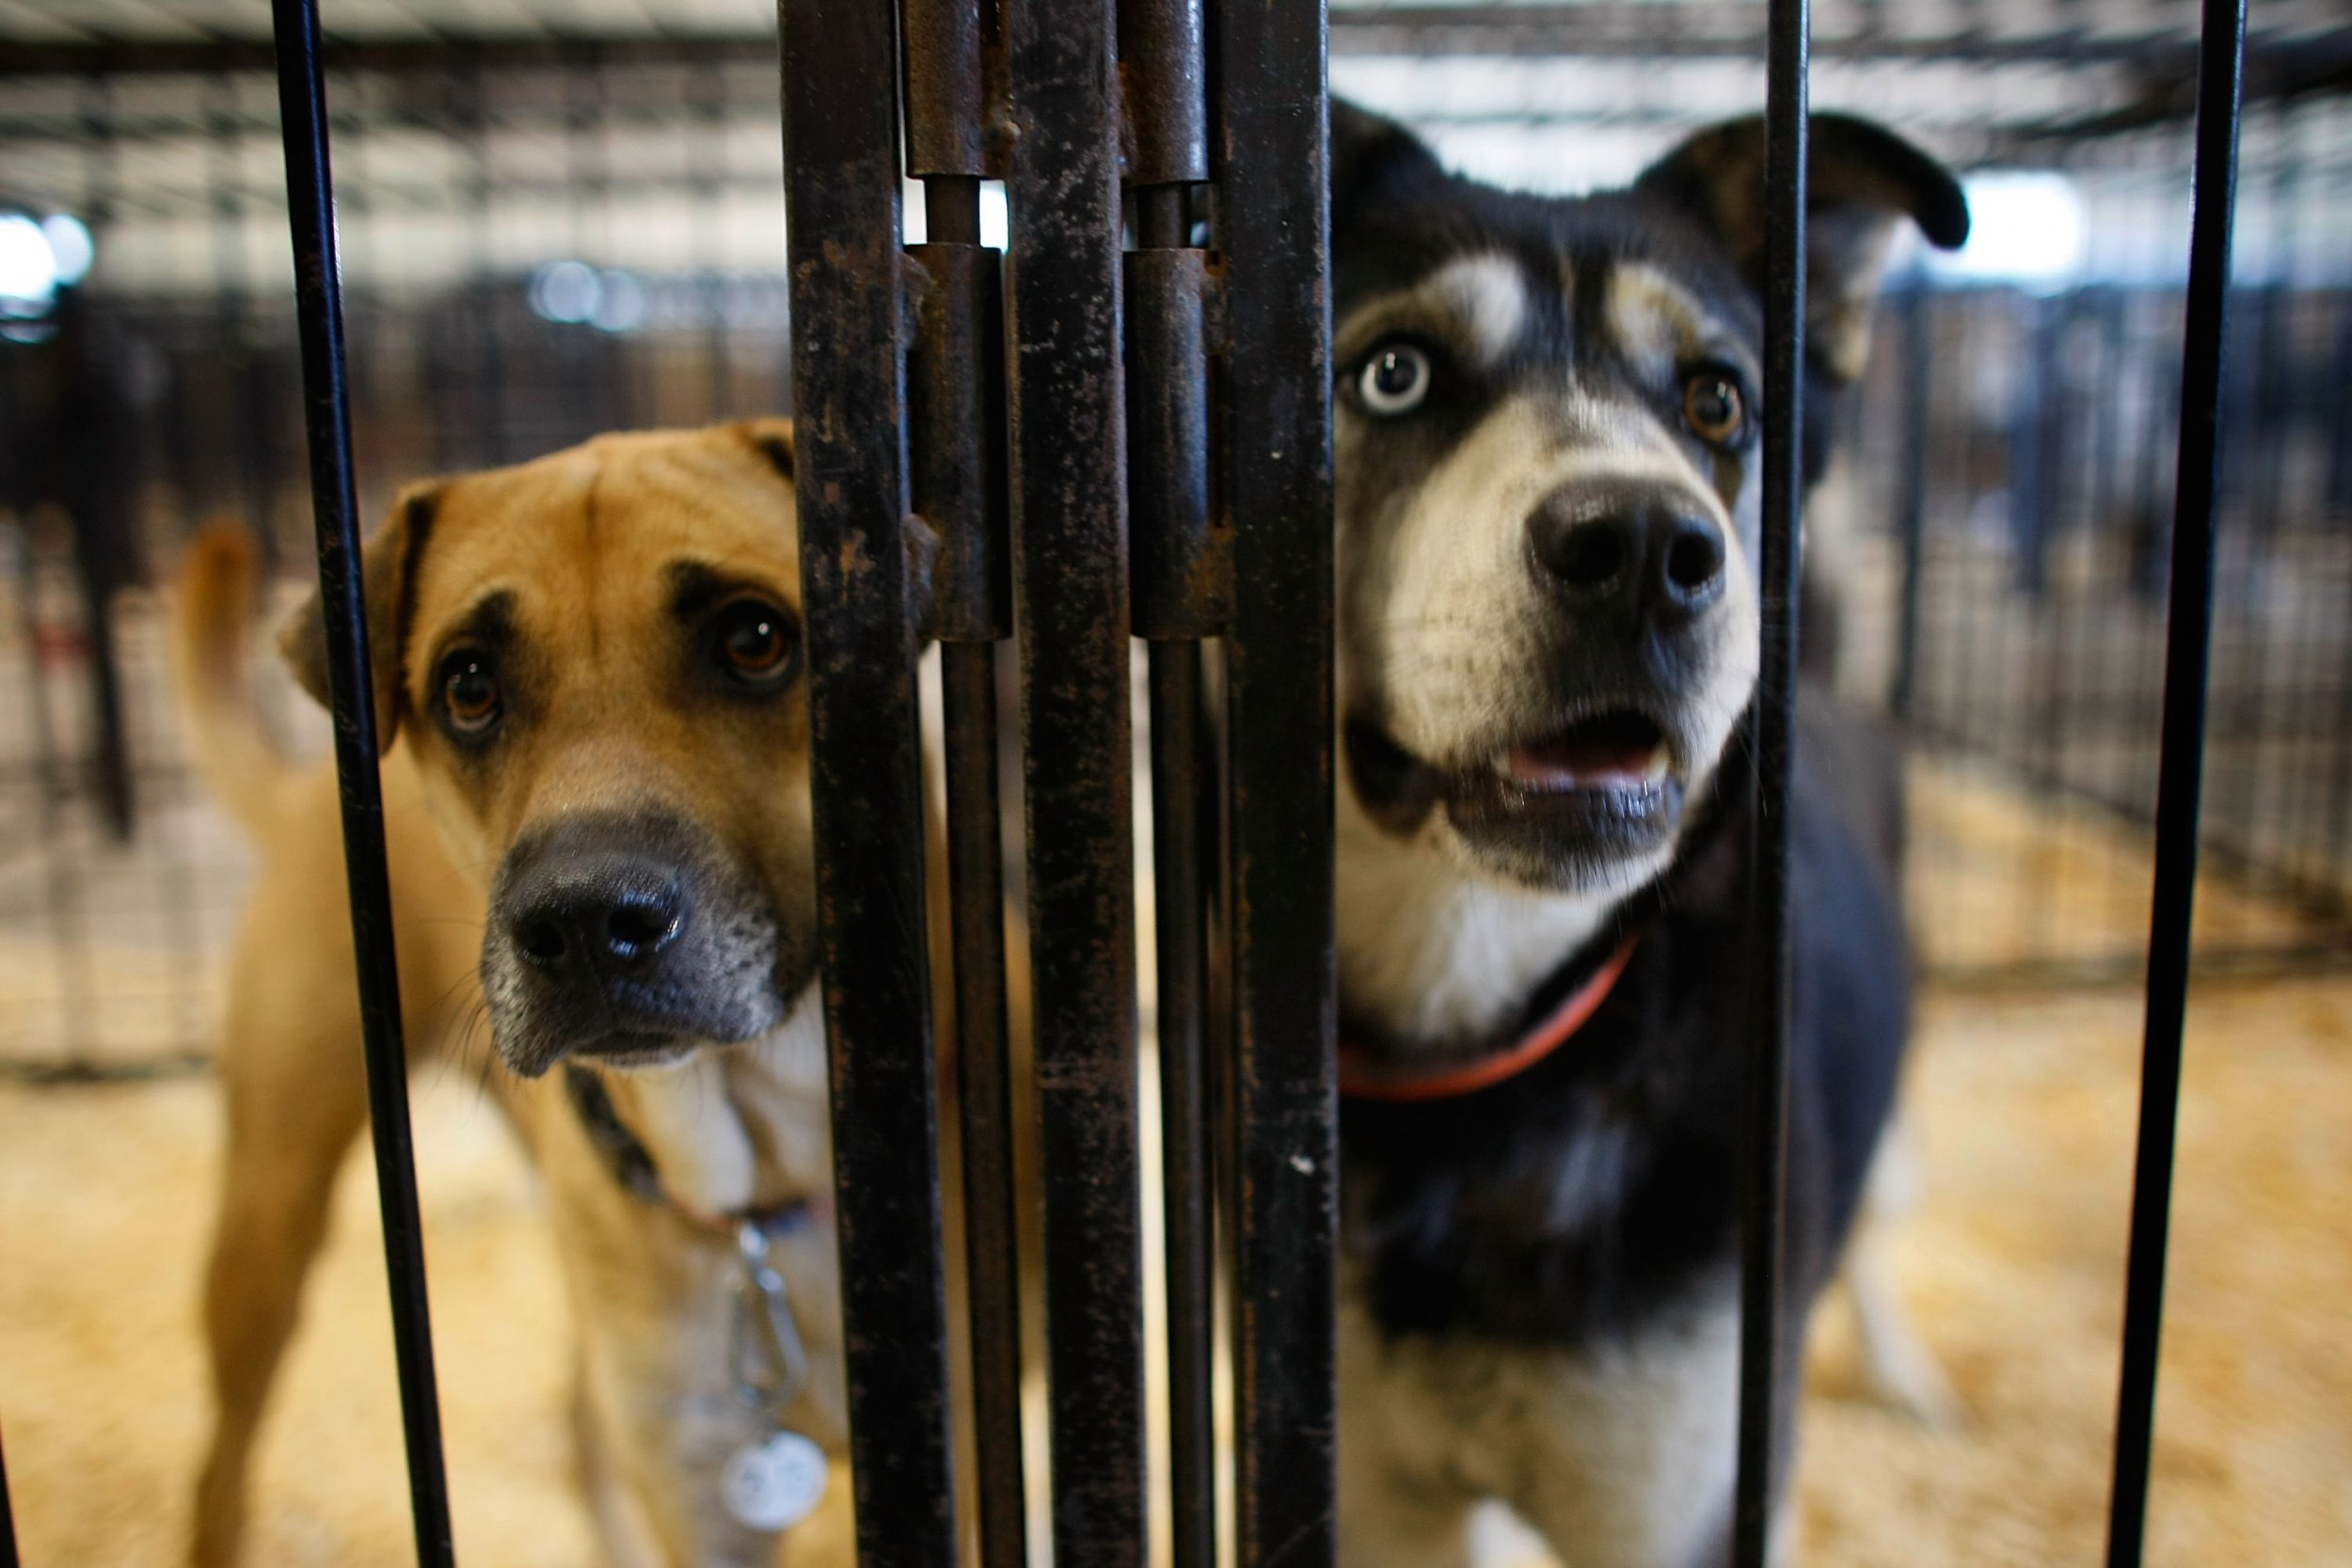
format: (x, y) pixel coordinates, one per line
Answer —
(326, 418)
(1765, 1094)
(1070, 558)
(841, 77)
(2189, 639)
(1180, 593)
(8, 1517)
(1274, 231)
(955, 439)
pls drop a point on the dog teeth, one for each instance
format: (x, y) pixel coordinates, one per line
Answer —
(1655, 769)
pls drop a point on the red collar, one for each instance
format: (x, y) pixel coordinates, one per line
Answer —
(1364, 1076)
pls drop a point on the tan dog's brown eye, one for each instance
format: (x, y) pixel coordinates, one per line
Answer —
(758, 642)
(1712, 406)
(469, 691)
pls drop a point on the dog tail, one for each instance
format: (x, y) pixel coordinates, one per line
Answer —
(213, 617)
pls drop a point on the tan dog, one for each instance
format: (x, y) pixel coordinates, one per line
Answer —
(587, 672)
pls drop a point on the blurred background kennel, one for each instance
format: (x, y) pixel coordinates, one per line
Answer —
(561, 217)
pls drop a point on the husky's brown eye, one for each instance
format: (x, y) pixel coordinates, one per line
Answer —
(758, 642)
(1713, 408)
(469, 691)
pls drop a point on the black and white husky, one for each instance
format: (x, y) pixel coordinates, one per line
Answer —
(1548, 448)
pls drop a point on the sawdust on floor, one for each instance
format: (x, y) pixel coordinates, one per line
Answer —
(2025, 1105)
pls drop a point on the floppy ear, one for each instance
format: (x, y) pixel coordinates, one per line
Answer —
(387, 573)
(772, 437)
(1863, 180)
(1373, 159)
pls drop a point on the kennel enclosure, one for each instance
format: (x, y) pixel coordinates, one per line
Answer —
(1160, 468)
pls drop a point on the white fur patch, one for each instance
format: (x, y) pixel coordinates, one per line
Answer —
(1621, 1455)
(1477, 304)
(1428, 954)
(1489, 295)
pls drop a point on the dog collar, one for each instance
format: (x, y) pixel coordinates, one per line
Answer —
(1365, 1076)
(630, 1164)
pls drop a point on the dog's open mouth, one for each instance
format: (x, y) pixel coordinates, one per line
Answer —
(626, 1047)
(1554, 807)
(1610, 751)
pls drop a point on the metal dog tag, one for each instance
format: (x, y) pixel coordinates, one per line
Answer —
(774, 1484)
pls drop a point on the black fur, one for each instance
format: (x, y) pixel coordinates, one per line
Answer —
(1566, 1205)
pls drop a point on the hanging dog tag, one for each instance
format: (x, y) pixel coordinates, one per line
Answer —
(774, 1484)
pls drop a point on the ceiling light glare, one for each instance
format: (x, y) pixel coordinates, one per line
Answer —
(566, 291)
(2025, 227)
(29, 268)
(70, 247)
(622, 303)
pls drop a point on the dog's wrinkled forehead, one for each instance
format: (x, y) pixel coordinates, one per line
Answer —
(594, 534)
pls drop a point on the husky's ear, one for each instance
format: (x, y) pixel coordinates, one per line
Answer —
(1863, 180)
(387, 577)
(1373, 160)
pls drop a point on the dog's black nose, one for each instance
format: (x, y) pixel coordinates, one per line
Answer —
(1634, 550)
(606, 911)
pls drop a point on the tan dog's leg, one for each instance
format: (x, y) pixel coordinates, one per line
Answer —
(296, 1098)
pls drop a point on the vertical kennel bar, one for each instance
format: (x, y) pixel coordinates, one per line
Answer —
(1070, 557)
(2189, 639)
(1181, 590)
(1273, 172)
(326, 418)
(840, 79)
(1912, 505)
(956, 434)
(8, 1518)
(956, 440)
(1180, 593)
(1764, 1125)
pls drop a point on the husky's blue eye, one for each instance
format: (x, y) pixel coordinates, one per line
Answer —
(1394, 379)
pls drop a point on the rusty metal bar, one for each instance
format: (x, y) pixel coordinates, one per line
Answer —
(1070, 550)
(984, 1070)
(1163, 79)
(1183, 563)
(326, 415)
(1273, 216)
(1177, 784)
(1764, 1125)
(956, 417)
(956, 440)
(841, 194)
(1180, 595)
(947, 46)
(2189, 639)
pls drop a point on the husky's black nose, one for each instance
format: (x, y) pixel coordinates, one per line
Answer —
(1633, 552)
(590, 913)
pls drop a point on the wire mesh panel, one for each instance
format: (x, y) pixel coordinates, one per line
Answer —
(1110, 423)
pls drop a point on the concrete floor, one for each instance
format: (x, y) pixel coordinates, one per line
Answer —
(2013, 1263)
